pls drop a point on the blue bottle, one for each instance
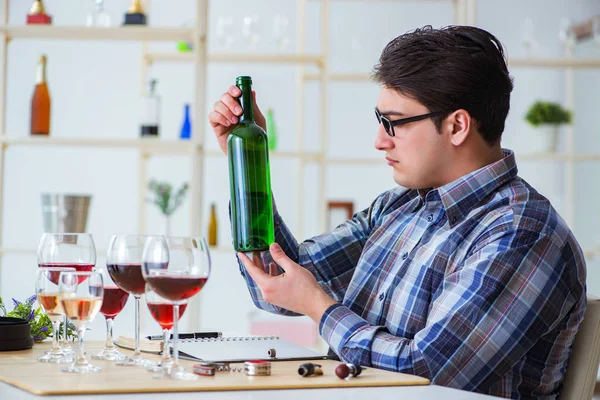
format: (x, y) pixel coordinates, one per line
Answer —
(186, 127)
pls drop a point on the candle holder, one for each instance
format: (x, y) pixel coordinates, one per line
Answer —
(37, 14)
(135, 14)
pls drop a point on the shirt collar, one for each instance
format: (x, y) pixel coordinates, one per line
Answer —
(462, 195)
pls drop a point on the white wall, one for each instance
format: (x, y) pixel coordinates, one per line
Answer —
(95, 86)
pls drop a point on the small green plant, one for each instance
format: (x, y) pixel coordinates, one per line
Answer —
(164, 198)
(544, 112)
(40, 324)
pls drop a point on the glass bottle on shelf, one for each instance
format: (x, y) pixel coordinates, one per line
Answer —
(40, 102)
(186, 126)
(213, 227)
(249, 179)
(271, 130)
(150, 123)
(97, 16)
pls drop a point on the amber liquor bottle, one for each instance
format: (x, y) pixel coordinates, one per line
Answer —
(40, 102)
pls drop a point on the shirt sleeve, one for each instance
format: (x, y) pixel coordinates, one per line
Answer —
(331, 257)
(513, 289)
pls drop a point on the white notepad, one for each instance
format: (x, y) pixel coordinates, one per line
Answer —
(244, 348)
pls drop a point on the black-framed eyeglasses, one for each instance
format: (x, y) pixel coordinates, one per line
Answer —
(389, 125)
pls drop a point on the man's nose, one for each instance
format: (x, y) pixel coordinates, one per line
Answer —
(383, 141)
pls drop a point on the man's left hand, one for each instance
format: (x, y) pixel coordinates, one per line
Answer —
(296, 289)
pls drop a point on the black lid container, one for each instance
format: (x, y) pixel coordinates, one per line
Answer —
(15, 334)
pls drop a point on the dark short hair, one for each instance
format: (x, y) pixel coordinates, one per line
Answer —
(455, 67)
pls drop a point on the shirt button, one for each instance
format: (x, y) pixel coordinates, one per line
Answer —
(404, 256)
(381, 296)
(430, 217)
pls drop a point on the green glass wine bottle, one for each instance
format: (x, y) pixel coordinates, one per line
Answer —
(250, 179)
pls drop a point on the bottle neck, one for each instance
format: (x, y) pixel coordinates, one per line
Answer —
(41, 73)
(245, 101)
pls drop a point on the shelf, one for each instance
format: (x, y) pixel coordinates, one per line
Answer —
(515, 62)
(306, 156)
(339, 76)
(315, 59)
(557, 157)
(149, 145)
(131, 33)
(350, 160)
(555, 62)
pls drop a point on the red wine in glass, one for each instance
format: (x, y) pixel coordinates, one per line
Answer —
(176, 287)
(53, 275)
(163, 313)
(129, 276)
(114, 300)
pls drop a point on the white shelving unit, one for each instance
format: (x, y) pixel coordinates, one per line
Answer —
(464, 13)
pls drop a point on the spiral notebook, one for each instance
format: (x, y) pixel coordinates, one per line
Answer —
(244, 348)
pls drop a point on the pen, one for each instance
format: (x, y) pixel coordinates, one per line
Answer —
(196, 335)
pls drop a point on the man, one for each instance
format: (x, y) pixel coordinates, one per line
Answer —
(464, 274)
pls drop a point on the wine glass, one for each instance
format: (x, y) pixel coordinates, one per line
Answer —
(161, 310)
(225, 31)
(250, 30)
(280, 31)
(114, 300)
(187, 262)
(529, 40)
(67, 250)
(81, 296)
(124, 264)
(97, 16)
(566, 34)
(46, 290)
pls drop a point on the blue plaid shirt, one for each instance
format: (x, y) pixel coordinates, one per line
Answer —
(477, 285)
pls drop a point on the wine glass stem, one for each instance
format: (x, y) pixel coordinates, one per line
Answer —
(109, 334)
(137, 353)
(175, 338)
(80, 359)
(166, 358)
(64, 338)
(55, 341)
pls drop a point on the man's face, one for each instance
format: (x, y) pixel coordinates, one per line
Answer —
(418, 154)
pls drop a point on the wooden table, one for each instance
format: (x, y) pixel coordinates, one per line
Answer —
(24, 377)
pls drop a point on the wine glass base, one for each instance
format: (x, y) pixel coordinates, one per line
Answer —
(55, 358)
(134, 362)
(177, 376)
(109, 355)
(159, 366)
(80, 369)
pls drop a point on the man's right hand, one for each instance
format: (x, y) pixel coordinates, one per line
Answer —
(226, 112)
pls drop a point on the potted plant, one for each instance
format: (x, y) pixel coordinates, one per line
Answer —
(550, 115)
(167, 201)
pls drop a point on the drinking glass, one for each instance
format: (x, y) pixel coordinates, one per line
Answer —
(46, 290)
(81, 296)
(186, 268)
(67, 250)
(161, 310)
(114, 300)
(124, 264)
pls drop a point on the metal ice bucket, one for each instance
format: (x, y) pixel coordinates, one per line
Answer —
(63, 213)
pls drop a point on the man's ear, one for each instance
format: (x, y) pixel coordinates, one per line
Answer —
(458, 126)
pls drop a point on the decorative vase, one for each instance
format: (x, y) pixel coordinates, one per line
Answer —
(549, 137)
(167, 225)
